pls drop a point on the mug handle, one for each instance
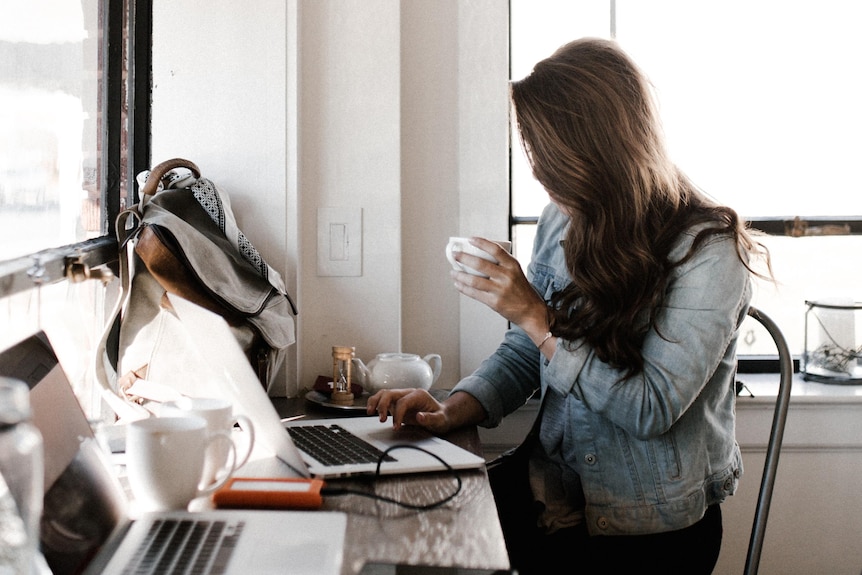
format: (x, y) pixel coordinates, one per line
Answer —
(226, 470)
(450, 248)
(248, 427)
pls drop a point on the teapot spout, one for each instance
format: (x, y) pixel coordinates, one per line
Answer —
(362, 372)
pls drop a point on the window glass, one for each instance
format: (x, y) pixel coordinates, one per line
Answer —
(760, 109)
(538, 27)
(759, 101)
(54, 89)
(49, 124)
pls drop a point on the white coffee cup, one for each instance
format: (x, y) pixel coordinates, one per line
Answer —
(218, 413)
(457, 244)
(165, 461)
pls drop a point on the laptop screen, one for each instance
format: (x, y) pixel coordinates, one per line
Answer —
(84, 500)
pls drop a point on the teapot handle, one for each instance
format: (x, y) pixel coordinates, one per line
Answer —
(436, 363)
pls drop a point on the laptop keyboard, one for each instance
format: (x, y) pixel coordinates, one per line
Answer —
(334, 445)
(186, 546)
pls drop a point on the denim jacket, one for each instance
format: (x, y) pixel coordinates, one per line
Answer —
(649, 453)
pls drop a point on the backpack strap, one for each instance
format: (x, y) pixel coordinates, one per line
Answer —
(108, 381)
(158, 173)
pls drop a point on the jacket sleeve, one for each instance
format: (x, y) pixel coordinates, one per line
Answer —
(507, 379)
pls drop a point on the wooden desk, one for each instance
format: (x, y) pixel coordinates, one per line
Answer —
(463, 533)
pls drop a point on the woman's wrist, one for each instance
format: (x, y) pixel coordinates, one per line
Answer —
(538, 329)
(545, 339)
(463, 409)
(540, 332)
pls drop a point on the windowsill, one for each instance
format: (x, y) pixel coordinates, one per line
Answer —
(764, 386)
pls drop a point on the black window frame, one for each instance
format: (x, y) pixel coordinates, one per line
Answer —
(125, 106)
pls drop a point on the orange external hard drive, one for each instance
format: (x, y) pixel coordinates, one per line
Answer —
(270, 493)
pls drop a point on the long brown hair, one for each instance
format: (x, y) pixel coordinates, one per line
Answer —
(591, 133)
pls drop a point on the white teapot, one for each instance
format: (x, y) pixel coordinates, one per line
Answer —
(391, 370)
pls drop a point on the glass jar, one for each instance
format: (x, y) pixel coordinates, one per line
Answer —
(21, 479)
(833, 346)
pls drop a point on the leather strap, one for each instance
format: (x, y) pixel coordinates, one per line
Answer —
(151, 187)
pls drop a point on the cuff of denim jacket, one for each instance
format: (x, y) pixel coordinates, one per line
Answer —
(562, 370)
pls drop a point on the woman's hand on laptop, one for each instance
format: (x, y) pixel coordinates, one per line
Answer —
(410, 407)
(418, 407)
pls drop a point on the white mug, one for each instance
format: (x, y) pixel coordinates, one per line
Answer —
(165, 461)
(218, 413)
(457, 244)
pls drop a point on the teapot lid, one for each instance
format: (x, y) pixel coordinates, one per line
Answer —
(396, 356)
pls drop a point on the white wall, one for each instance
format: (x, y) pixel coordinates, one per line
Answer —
(397, 108)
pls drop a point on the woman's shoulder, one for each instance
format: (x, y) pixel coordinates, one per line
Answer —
(717, 252)
(548, 261)
(552, 217)
(550, 231)
(686, 238)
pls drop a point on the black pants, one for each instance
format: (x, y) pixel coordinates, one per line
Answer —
(690, 551)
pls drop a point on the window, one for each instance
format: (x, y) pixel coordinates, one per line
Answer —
(537, 29)
(760, 108)
(50, 116)
(68, 147)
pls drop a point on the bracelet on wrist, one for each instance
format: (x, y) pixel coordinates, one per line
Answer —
(548, 336)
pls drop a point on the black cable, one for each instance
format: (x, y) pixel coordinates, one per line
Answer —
(327, 490)
(740, 386)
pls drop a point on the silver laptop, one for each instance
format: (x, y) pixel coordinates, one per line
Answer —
(412, 450)
(227, 541)
(85, 525)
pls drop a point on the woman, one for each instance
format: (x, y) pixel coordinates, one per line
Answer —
(628, 323)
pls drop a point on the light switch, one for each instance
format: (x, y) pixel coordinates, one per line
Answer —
(338, 244)
(339, 241)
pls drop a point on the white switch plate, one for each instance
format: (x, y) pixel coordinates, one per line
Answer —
(339, 241)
